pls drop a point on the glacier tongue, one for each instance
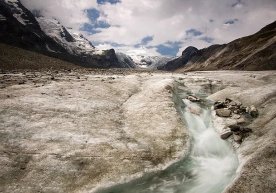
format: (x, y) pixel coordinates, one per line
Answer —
(147, 60)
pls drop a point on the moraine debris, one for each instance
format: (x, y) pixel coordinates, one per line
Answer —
(238, 132)
(235, 110)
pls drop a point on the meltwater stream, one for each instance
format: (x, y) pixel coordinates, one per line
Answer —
(209, 167)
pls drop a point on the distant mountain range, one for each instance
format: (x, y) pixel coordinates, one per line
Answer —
(255, 52)
(24, 29)
(147, 60)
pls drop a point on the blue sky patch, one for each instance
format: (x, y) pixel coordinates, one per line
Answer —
(146, 40)
(207, 39)
(94, 27)
(169, 48)
(93, 14)
(193, 32)
(89, 28)
(108, 1)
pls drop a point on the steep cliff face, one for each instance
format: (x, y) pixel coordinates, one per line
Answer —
(20, 28)
(255, 52)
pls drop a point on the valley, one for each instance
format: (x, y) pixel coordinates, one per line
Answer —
(110, 96)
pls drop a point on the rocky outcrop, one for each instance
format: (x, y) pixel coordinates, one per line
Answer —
(187, 55)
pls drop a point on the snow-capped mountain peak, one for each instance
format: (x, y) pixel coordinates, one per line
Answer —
(49, 37)
(74, 42)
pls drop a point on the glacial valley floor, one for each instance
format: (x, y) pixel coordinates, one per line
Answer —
(75, 131)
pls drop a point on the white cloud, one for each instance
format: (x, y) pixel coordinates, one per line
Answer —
(71, 13)
(130, 50)
(165, 20)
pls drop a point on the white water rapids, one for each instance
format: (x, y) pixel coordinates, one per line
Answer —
(209, 168)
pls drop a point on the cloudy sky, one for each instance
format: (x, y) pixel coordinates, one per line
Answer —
(159, 27)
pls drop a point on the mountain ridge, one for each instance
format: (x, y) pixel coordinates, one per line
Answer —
(254, 52)
(31, 31)
(22, 29)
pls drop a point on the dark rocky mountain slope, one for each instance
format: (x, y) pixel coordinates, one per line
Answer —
(14, 58)
(20, 28)
(255, 52)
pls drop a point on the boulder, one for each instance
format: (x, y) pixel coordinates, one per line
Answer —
(193, 98)
(237, 138)
(235, 128)
(253, 111)
(241, 120)
(219, 105)
(223, 112)
(233, 108)
(226, 134)
(233, 103)
(235, 116)
(227, 100)
(242, 110)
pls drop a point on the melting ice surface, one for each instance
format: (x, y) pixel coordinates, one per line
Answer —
(209, 168)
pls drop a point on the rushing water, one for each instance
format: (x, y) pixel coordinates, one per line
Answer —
(209, 167)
